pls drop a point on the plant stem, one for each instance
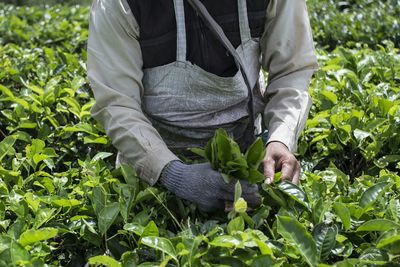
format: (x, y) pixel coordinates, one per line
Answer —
(269, 229)
(61, 158)
(3, 134)
(108, 239)
(106, 243)
(166, 208)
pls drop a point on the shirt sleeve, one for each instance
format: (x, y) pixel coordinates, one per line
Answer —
(289, 58)
(115, 73)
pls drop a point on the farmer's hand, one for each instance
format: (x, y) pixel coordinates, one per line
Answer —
(279, 158)
(200, 184)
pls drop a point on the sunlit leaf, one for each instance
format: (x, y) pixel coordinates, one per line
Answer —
(6, 146)
(325, 239)
(370, 196)
(255, 153)
(32, 236)
(344, 214)
(103, 261)
(296, 234)
(378, 225)
(161, 244)
(225, 241)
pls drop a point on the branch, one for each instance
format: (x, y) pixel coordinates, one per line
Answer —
(3, 134)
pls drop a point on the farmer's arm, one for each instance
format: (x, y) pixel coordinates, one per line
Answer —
(115, 72)
(288, 56)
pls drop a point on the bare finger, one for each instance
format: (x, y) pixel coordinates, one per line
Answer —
(296, 176)
(269, 171)
(288, 170)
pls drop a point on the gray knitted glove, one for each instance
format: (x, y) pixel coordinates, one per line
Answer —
(200, 184)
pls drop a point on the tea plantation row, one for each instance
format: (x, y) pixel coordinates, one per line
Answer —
(62, 202)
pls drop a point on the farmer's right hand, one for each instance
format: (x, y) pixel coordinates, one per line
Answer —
(200, 184)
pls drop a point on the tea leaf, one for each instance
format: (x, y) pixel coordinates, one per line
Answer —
(296, 234)
(150, 230)
(6, 146)
(255, 154)
(198, 151)
(255, 176)
(325, 239)
(107, 217)
(391, 243)
(235, 225)
(32, 236)
(99, 199)
(223, 147)
(240, 205)
(225, 241)
(238, 191)
(161, 244)
(6, 91)
(104, 261)
(378, 225)
(295, 193)
(344, 214)
(369, 197)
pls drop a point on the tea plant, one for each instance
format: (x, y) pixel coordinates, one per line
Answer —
(63, 203)
(225, 156)
(355, 21)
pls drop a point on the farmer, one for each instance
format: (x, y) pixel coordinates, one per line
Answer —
(164, 81)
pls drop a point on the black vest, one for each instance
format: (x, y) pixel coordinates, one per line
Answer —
(156, 19)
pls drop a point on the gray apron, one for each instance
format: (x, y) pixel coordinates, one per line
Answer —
(186, 104)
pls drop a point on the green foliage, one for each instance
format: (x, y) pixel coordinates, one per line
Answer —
(355, 21)
(46, 2)
(62, 203)
(354, 122)
(224, 155)
(296, 234)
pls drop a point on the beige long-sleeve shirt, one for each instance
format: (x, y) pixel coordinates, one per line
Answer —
(115, 72)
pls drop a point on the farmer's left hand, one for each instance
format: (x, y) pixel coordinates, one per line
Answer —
(279, 158)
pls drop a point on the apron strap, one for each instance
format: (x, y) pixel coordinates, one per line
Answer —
(245, 33)
(220, 35)
(181, 31)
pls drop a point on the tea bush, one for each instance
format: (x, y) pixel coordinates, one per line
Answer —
(355, 21)
(63, 203)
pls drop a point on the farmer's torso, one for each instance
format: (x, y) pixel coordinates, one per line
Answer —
(157, 22)
(191, 83)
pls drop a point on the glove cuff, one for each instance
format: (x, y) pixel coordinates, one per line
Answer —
(172, 175)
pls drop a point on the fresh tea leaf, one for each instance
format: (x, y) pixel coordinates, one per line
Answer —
(32, 236)
(161, 244)
(378, 225)
(240, 205)
(344, 214)
(325, 239)
(296, 234)
(237, 224)
(369, 197)
(6, 146)
(107, 217)
(103, 261)
(255, 154)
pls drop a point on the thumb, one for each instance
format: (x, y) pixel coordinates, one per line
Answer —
(269, 170)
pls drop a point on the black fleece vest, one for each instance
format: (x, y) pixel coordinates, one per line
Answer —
(156, 19)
